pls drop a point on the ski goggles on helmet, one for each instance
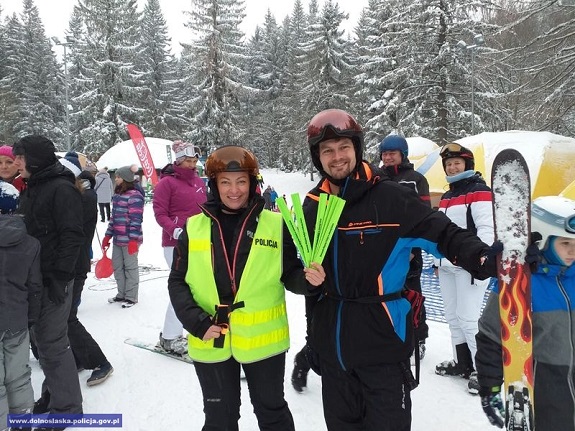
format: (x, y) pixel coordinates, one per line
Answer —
(454, 150)
(450, 148)
(189, 151)
(570, 224)
(332, 123)
(559, 223)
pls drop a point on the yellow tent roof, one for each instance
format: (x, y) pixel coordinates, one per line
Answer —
(550, 157)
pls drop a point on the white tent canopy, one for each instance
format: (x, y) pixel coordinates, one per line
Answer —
(124, 154)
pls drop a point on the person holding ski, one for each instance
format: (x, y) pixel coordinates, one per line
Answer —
(227, 288)
(468, 203)
(361, 327)
(553, 305)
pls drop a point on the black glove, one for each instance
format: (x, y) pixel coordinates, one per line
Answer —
(493, 251)
(489, 258)
(492, 405)
(312, 359)
(57, 289)
(533, 254)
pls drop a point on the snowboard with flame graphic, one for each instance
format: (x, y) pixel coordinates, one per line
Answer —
(512, 212)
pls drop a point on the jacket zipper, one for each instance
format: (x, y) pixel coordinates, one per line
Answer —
(231, 268)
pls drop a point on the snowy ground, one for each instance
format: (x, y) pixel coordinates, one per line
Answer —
(153, 392)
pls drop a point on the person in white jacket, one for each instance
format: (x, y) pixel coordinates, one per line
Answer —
(468, 204)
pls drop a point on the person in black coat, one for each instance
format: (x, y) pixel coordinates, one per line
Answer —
(20, 292)
(52, 209)
(87, 352)
(361, 327)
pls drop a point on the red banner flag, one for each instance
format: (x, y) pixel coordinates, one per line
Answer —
(143, 153)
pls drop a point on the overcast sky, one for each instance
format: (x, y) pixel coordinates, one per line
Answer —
(55, 14)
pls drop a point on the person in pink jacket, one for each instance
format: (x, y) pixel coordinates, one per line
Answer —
(177, 196)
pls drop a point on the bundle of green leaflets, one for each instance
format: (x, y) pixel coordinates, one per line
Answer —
(329, 210)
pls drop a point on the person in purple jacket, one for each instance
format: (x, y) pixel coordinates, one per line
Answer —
(177, 196)
(125, 227)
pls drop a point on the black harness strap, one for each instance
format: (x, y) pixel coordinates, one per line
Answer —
(367, 299)
(222, 319)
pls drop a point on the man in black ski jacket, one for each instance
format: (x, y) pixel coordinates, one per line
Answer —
(361, 326)
(52, 210)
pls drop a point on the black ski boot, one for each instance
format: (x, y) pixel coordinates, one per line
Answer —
(300, 371)
(41, 406)
(462, 367)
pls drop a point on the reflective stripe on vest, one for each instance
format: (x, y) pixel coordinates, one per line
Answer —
(259, 329)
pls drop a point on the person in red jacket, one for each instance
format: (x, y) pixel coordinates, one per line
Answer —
(177, 196)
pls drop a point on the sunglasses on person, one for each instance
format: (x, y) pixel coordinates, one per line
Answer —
(191, 151)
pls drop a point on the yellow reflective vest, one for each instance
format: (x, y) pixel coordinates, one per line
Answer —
(259, 329)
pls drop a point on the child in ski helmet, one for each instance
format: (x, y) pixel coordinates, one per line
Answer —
(553, 305)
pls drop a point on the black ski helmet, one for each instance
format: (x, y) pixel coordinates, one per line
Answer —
(449, 151)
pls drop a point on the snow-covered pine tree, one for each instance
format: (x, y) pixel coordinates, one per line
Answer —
(295, 154)
(212, 63)
(159, 77)
(110, 43)
(11, 32)
(35, 81)
(327, 71)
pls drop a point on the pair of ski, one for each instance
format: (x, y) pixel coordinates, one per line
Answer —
(511, 187)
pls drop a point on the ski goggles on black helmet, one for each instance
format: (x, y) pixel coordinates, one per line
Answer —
(332, 123)
(453, 150)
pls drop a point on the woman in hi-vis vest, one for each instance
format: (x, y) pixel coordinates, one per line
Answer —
(227, 287)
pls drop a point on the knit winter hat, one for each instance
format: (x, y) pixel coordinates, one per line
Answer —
(72, 162)
(8, 198)
(38, 151)
(185, 149)
(6, 150)
(125, 173)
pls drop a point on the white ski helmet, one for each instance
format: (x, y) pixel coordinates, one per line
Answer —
(553, 216)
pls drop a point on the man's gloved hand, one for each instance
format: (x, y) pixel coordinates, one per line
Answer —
(492, 405)
(488, 258)
(533, 254)
(106, 242)
(493, 251)
(177, 232)
(132, 247)
(57, 289)
(312, 359)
